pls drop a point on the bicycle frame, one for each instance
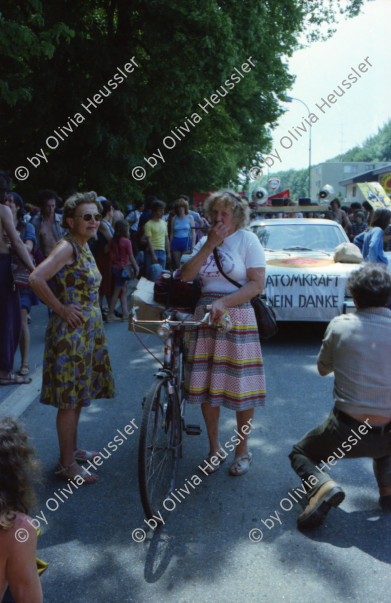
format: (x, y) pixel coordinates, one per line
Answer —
(163, 422)
(172, 332)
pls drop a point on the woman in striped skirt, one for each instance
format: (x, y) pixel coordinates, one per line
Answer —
(226, 368)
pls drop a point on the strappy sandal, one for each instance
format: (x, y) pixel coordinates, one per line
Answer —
(213, 468)
(88, 478)
(13, 379)
(81, 456)
(24, 370)
(241, 464)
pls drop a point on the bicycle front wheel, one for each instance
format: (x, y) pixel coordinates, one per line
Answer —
(180, 375)
(159, 446)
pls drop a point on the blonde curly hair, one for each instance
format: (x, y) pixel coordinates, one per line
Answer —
(72, 203)
(236, 202)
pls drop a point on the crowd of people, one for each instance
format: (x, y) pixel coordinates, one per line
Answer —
(368, 229)
(89, 252)
(161, 234)
(353, 218)
(141, 241)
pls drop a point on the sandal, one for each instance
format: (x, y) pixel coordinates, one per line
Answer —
(241, 464)
(84, 455)
(212, 468)
(24, 370)
(63, 473)
(15, 380)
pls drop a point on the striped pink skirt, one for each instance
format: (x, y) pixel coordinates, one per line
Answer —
(225, 369)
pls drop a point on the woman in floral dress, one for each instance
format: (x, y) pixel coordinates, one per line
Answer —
(76, 366)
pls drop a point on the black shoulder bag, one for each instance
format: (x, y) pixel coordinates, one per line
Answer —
(264, 313)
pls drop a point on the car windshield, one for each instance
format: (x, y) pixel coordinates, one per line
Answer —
(299, 237)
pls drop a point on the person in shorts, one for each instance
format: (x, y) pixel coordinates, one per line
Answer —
(182, 231)
(158, 247)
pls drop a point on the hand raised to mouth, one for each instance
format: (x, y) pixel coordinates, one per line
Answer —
(217, 233)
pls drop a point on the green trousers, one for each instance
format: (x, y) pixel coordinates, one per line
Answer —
(341, 436)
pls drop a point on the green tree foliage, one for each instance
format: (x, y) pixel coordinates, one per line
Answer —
(24, 38)
(374, 148)
(65, 52)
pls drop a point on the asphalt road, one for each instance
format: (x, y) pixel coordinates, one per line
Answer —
(203, 553)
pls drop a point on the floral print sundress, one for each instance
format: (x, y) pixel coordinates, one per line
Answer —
(76, 364)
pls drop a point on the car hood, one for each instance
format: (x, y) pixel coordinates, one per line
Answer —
(306, 261)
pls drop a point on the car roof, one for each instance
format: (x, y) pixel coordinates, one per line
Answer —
(286, 221)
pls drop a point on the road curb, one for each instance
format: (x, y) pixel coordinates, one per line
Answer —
(21, 396)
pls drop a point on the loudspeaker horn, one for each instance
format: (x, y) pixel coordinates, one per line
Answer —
(326, 192)
(260, 196)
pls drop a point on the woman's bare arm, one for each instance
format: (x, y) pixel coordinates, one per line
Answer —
(61, 255)
(170, 228)
(134, 264)
(167, 247)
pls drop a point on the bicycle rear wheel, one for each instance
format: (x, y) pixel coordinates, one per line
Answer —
(159, 446)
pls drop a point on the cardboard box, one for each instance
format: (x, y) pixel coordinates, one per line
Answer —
(148, 309)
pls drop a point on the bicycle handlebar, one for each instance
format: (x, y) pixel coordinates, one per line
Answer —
(169, 321)
(224, 323)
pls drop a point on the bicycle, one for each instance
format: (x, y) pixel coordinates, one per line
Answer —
(163, 417)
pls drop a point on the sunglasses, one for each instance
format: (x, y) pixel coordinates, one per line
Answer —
(90, 217)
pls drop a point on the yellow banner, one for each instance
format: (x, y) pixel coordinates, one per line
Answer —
(375, 194)
(386, 183)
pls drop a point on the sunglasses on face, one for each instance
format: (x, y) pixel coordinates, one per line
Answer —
(90, 217)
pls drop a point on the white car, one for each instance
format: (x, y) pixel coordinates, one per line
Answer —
(303, 282)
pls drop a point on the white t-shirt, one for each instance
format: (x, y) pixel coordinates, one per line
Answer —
(240, 251)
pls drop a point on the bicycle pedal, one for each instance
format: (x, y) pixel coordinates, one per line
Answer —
(193, 430)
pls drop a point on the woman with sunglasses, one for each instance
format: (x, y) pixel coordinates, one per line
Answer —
(76, 367)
